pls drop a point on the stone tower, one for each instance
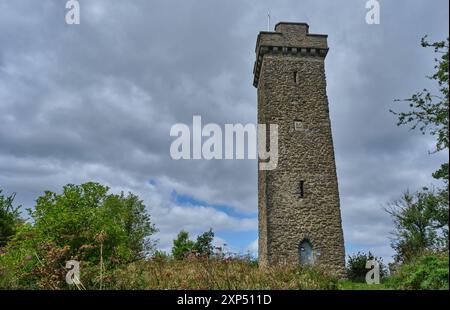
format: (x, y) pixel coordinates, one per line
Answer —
(298, 202)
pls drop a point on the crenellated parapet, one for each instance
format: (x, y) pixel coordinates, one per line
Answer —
(291, 39)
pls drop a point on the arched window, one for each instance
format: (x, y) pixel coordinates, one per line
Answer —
(306, 253)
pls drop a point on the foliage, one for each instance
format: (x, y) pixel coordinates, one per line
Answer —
(183, 246)
(429, 112)
(427, 272)
(441, 217)
(84, 223)
(161, 255)
(9, 218)
(356, 266)
(416, 224)
(77, 217)
(203, 246)
(421, 220)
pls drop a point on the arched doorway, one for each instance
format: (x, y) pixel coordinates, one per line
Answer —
(306, 253)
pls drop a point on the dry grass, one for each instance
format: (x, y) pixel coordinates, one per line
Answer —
(160, 273)
(228, 274)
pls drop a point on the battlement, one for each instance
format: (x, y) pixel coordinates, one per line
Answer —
(288, 38)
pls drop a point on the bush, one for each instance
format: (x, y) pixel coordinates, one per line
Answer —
(84, 223)
(356, 266)
(419, 221)
(427, 272)
(9, 218)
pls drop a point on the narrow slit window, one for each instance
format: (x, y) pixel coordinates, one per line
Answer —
(296, 77)
(302, 189)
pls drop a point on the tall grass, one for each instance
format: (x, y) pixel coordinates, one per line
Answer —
(217, 274)
(161, 273)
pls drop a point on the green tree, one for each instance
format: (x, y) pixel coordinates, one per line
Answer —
(428, 216)
(9, 218)
(203, 246)
(85, 223)
(415, 224)
(182, 245)
(85, 216)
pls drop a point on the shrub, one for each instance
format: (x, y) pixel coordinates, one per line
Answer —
(84, 223)
(82, 213)
(9, 218)
(356, 266)
(427, 272)
(419, 221)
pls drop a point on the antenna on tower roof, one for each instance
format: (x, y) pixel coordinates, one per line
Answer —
(268, 21)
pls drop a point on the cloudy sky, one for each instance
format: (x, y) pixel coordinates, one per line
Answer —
(96, 101)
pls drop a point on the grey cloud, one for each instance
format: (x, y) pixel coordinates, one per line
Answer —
(96, 101)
